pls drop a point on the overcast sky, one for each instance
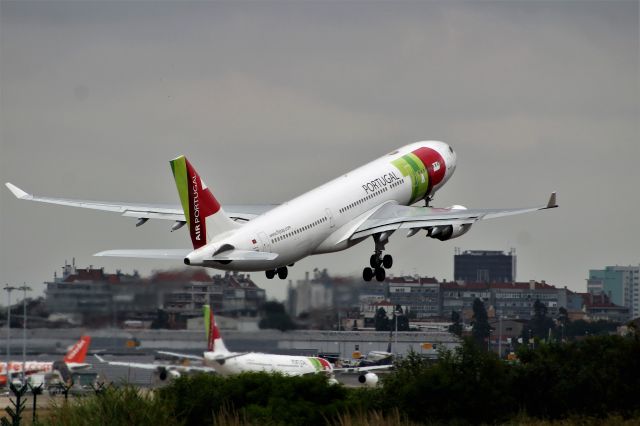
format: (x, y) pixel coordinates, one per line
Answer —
(270, 99)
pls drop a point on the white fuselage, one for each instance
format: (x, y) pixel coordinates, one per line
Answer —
(15, 367)
(321, 220)
(271, 363)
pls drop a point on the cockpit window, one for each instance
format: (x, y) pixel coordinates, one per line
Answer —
(450, 149)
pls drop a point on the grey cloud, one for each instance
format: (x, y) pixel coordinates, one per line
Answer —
(270, 99)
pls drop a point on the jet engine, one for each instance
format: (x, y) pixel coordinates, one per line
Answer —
(164, 374)
(448, 232)
(368, 379)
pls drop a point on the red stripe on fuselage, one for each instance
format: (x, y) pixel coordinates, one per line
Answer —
(325, 364)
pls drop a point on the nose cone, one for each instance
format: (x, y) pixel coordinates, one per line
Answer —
(432, 156)
(448, 157)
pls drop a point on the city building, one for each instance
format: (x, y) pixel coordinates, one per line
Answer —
(599, 307)
(325, 292)
(484, 266)
(508, 300)
(620, 283)
(89, 295)
(92, 296)
(420, 295)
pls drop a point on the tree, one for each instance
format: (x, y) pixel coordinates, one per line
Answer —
(563, 321)
(161, 320)
(481, 327)
(402, 323)
(540, 325)
(456, 327)
(381, 320)
(276, 317)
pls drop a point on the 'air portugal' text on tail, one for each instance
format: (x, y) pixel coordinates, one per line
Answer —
(202, 212)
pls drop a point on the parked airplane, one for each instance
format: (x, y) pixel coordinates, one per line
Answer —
(74, 360)
(374, 200)
(218, 359)
(229, 363)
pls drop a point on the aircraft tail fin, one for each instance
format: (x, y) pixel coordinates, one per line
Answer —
(214, 339)
(202, 211)
(78, 352)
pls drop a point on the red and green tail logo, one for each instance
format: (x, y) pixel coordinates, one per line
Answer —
(197, 200)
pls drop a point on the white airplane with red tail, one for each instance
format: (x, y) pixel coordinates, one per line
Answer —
(375, 200)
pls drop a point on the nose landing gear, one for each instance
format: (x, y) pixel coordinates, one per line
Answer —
(377, 262)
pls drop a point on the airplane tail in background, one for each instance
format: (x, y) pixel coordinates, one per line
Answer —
(202, 211)
(214, 340)
(78, 352)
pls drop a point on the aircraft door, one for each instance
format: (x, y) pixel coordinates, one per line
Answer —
(330, 216)
(266, 245)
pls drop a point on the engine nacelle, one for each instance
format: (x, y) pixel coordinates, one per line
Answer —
(448, 232)
(368, 379)
(163, 374)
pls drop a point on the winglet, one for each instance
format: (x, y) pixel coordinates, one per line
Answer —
(19, 193)
(552, 201)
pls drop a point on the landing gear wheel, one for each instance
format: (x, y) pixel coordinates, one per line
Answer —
(387, 261)
(367, 274)
(374, 261)
(380, 274)
(270, 274)
(283, 272)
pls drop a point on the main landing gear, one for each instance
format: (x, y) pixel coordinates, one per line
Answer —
(282, 272)
(377, 262)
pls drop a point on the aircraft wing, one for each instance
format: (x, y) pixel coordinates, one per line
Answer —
(179, 355)
(222, 359)
(141, 210)
(358, 370)
(154, 366)
(391, 217)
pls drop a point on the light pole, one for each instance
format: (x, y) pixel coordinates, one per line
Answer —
(24, 289)
(500, 336)
(8, 289)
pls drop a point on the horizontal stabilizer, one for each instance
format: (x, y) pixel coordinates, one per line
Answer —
(147, 253)
(239, 255)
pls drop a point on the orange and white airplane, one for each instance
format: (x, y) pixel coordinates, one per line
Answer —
(375, 200)
(74, 359)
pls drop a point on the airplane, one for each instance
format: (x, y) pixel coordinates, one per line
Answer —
(375, 200)
(219, 360)
(74, 360)
(228, 363)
